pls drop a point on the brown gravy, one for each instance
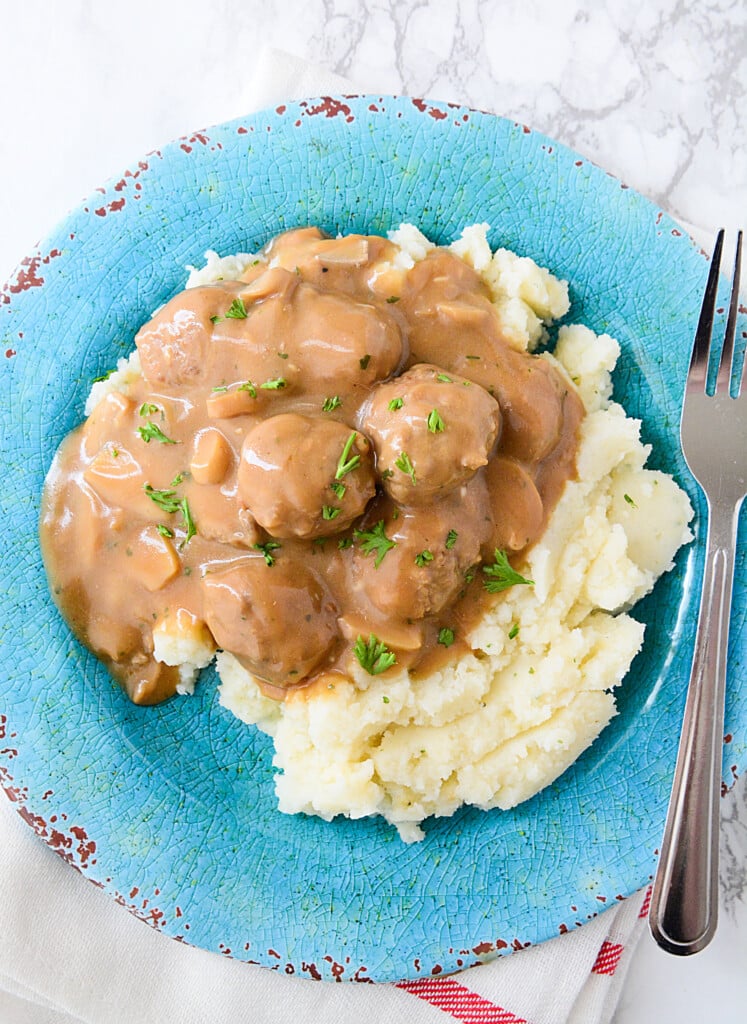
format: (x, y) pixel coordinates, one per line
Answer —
(328, 449)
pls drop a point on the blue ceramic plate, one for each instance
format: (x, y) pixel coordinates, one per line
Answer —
(171, 809)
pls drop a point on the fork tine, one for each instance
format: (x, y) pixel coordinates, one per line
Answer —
(698, 373)
(723, 379)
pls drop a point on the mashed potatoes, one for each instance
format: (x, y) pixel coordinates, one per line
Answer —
(493, 727)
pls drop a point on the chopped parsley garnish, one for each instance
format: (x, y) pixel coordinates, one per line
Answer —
(363, 363)
(152, 432)
(164, 530)
(332, 403)
(167, 501)
(404, 463)
(473, 357)
(220, 388)
(249, 388)
(423, 558)
(451, 539)
(274, 385)
(374, 655)
(514, 631)
(283, 355)
(267, 549)
(500, 575)
(345, 542)
(396, 403)
(177, 480)
(148, 409)
(376, 542)
(338, 488)
(630, 501)
(330, 512)
(446, 636)
(347, 463)
(104, 376)
(237, 310)
(444, 379)
(393, 298)
(189, 523)
(386, 473)
(435, 424)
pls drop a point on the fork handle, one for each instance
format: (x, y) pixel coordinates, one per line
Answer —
(684, 901)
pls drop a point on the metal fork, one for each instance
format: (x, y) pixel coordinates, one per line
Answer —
(713, 430)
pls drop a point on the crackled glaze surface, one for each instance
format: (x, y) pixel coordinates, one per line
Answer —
(171, 810)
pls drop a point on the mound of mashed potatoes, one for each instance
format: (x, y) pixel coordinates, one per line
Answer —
(491, 727)
(495, 727)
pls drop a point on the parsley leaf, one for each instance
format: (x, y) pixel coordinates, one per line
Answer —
(346, 465)
(444, 378)
(167, 501)
(451, 539)
(330, 512)
(435, 424)
(237, 310)
(363, 363)
(376, 542)
(396, 403)
(329, 404)
(446, 636)
(148, 409)
(248, 387)
(266, 549)
(152, 432)
(274, 385)
(500, 575)
(374, 655)
(189, 523)
(404, 463)
(423, 558)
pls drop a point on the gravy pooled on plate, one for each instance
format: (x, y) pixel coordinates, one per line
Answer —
(333, 454)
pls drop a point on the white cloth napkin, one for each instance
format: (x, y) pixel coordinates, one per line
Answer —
(70, 954)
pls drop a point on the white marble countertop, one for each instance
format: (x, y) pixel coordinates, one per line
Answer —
(653, 92)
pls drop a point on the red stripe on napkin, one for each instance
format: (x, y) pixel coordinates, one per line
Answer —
(461, 1002)
(646, 903)
(608, 958)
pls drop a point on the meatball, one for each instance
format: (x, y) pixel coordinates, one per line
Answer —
(303, 476)
(432, 430)
(174, 345)
(331, 337)
(531, 393)
(278, 620)
(418, 557)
